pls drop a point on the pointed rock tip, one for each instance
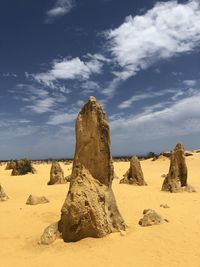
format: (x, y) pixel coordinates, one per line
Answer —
(134, 157)
(179, 146)
(92, 99)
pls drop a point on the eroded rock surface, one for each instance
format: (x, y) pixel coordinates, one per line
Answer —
(50, 234)
(134, 175)
(151, 217)
(176, 179)
(35, 200)
(90, 208)
(56, 174)
(3, 196)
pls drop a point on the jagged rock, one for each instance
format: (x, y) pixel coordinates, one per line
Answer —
(34, 200)
(90, 208)
(10, 165)
(50, 234)
(3, 196)
(22, 167)
(151, 217)
(134, 175)
(176, 179)
(56, 174)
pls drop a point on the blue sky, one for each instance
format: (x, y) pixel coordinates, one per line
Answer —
(141, 59)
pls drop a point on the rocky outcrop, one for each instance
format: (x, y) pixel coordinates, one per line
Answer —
(3, 196)
(151, 217)
(35, 200)
(90, 209)
(22, 167)
(176, 179)
(56, 174)
(134, 175)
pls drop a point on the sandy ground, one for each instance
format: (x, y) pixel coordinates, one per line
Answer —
(176, 243)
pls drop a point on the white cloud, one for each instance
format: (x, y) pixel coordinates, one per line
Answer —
(64, 90)
(80, 103)
(89, 87)
(143, 96)
(110, 89)
(174, 73)
(8, 75)
(13, 122)
(61, 118)
(16, 127)
(190, 82)
(98, 57)
(180, 118)
(60, 8)
(69, 69)
(39, 100)
(167, 30)
(157, 70)
(42, 105)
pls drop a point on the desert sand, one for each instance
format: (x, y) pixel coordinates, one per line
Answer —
(176, 243)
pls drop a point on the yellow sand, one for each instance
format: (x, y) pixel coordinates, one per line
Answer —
(176, 243)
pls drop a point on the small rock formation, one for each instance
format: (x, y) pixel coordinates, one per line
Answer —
(50, 234)
(22, 167)
(3, 196)
(10, 165)
(35, 200)
(56, 174)
(90, 209)
(151, 217)
(134, 175)
(176, 179)
(165, 206)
